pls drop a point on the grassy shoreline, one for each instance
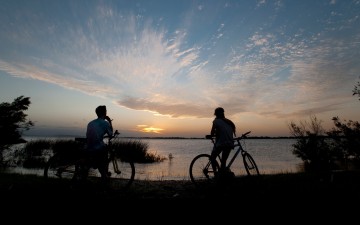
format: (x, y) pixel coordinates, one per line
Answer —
(291, 197)
(338, 185)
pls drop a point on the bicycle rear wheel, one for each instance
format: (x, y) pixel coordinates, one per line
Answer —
(250, 165)
(201, 170)
(59, 168)
(122, 174)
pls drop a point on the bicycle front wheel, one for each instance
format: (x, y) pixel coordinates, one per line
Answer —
(122, 173)
(201, 170)
(250, 165)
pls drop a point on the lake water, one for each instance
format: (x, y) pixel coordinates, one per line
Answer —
(271, 156)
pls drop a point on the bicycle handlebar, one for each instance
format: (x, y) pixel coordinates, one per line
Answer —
(242, 136)
(116, 133)
(209, 136)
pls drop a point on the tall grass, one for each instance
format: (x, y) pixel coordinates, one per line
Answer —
(136, 151)
(35, 153)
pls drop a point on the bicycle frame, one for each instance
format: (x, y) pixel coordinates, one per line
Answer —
(230, 162)
(240, 149)
(201, 169)
(123, 171)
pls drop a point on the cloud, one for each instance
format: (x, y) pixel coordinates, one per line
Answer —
(31, 72)
(141, 65)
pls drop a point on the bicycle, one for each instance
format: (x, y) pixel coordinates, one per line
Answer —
(122, 172)
(201, 169)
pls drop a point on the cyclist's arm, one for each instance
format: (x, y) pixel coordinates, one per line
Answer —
(109, 130)
(213, 130)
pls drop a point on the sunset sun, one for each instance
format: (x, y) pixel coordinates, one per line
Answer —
(146, 129)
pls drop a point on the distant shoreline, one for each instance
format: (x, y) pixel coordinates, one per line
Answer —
(187, 138)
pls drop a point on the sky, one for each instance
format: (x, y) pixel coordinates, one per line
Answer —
(161, 67)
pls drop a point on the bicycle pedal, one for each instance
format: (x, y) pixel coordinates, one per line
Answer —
(59, 172)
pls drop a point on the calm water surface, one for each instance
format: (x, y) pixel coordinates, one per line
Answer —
(271, 155)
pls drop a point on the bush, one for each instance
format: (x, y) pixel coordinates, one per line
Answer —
(321, 150)
(346, 140)
(312, 145)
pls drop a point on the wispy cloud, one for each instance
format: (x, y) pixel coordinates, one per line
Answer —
(130, 59)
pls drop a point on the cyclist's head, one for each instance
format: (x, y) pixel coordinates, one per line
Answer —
(219, 112)
(101, 111)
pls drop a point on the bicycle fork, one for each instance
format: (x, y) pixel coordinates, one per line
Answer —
(115, 167)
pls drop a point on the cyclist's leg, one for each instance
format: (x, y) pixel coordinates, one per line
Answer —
(224, 156)
(103, 164)
(83, 165)
(225, 169)
(214, 153)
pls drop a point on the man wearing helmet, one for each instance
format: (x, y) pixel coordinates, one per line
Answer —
(224, 131)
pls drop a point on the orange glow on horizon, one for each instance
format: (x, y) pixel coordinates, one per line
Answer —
(146, 129)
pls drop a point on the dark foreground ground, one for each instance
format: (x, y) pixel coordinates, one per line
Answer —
(300, 194)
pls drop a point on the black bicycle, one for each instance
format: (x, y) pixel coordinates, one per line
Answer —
(122, 172)
(201, 169)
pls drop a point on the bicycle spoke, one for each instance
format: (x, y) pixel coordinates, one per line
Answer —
(201, 169)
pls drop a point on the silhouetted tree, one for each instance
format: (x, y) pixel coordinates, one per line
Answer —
(356, 90)
(13, 122)
(346, 139)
